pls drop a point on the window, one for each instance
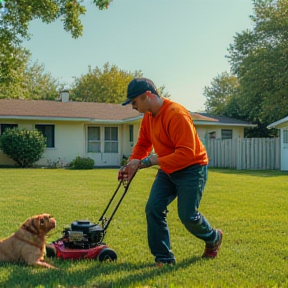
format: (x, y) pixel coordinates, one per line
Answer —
(226, 134)
(131, 134)
(49, 133)
(6, 126)
(94, 144)
(212, 135)
(285, 136)
(111, 140)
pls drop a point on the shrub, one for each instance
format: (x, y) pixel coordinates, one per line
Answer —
(124, 160)
(23, 146)
(82, 163)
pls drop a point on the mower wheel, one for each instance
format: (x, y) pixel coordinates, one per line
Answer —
(108, 255)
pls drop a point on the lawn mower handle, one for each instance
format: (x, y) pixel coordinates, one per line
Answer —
(126, 185)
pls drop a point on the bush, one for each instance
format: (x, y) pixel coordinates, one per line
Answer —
(124, 160)
(82, 163)
(23, 146)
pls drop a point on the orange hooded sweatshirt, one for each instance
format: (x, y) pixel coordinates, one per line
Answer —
(173, 135)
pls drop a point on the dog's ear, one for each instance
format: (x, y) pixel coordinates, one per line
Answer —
(31, 225)
(39, 224)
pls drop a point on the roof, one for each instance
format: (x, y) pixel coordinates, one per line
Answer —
(198, 117)
(282, 123)
(205, 118)
(92, 112)
(89, 111)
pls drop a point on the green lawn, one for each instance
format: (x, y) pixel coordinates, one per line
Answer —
(251, 207)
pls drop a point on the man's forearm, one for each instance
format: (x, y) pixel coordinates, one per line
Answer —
(149, 161)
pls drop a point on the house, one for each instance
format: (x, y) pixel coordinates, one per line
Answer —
(219, 127)
(102, 131)
(282, 124)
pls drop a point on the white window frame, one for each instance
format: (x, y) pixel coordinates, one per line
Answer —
(96, 140)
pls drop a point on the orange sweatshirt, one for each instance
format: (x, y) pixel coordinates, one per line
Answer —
(172, 134)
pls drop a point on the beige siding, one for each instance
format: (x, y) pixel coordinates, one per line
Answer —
(204, 130)
(69, 142)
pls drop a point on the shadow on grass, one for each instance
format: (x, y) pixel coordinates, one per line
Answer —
(72, 275)
(257, 173)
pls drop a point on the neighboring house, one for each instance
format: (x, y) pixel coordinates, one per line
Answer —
(219, 127)
(102, 131)
(282, 124)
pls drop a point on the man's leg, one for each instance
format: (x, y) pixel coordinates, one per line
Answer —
(163, 192)
(190, 183)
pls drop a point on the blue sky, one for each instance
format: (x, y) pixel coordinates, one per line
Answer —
(180, 44)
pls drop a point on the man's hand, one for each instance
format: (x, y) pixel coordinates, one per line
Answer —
(129, 169)
(133, 165)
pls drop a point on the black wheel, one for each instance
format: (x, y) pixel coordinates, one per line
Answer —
(108, 255)
(50, 251)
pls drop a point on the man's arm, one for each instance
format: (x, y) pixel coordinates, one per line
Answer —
(133, 165)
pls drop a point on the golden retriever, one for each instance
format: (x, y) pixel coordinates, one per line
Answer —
(28, 243)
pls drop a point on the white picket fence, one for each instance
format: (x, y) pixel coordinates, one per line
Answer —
(247, 153)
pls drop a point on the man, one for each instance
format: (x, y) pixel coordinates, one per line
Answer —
(168, 128)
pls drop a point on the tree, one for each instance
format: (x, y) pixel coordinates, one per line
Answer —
(23, 146)
(39, 84)
(14, 25)
(30, 81)
(108, 84)
(219, 94)
(259, 59)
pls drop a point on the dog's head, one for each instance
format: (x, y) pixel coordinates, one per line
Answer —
(39, 224)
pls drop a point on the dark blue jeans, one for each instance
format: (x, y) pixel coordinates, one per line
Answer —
(188, 185)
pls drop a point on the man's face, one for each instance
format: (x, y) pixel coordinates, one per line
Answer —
(139, 103)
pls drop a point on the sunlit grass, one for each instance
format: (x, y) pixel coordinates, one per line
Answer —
(249, 206)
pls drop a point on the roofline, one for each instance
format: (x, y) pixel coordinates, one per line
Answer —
(139, 117)
(43, 118)
(222, 124)
(70, 119)
(127, 120)
(277, 123)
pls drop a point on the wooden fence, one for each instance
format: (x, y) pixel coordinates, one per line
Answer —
(247, 153)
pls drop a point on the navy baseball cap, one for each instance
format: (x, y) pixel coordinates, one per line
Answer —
(137, 87)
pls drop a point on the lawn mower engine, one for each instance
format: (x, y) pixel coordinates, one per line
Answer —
(83, 234)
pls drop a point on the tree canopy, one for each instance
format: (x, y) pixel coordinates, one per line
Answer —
(30, 81)
(102, 85)
(259, 59)
(218, 95)
(19, 78)
(14, 26)
(108, 84)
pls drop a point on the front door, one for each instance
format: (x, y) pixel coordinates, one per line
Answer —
(103, 145)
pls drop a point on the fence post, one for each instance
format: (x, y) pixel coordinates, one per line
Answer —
(239, 154)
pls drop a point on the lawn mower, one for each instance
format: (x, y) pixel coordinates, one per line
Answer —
(84, 239)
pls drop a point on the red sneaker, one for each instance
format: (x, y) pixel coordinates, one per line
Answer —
(211, 250)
